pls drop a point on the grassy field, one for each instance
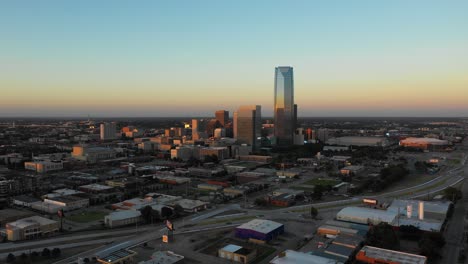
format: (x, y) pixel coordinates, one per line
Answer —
(321, 182)
(86, 217)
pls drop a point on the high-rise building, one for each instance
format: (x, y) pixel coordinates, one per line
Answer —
(285, 112)
(248, 125)
(108, 131)
(222, 116)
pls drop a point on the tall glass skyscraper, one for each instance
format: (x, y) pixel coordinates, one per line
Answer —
(284, 112)
(248, 125)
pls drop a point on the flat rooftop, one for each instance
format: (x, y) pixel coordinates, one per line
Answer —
(390, 255)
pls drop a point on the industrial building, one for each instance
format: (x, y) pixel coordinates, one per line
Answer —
(122, 218)
(424, 143)
(384, 256)
(295, 257)
(30, 228)
(359, 141)
(362, 215)
(237, 253)
(164, 257)
(259, 229)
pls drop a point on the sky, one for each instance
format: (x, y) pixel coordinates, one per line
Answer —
(189, 58)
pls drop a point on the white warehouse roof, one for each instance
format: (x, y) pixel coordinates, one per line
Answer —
(261, 225)
(295, 257)
(364, 215)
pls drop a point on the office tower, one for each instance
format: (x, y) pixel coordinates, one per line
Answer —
(248, 125)
(285, 110)
(108, 131)
(198, 129)
(222, 116)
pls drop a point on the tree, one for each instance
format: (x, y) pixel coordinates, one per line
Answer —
(313, 212)
(86, 260)
(23, 257)
(318, 192)
(383, 236)
(260, 202)
(453, 194)
(146, 213)
(10, 258)
(45, 252)
(56, 252)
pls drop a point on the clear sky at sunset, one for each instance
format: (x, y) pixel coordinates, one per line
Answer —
(190, 58)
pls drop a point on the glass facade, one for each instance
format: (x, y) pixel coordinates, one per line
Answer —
(284, 111)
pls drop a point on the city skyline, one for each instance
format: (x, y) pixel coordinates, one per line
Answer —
(184, 59)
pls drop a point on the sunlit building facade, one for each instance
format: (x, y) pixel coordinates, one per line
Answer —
(248, 125)
(285, 110)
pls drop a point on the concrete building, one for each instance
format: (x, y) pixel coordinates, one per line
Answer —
(108, 131)
(359, 141)
(248, 125)
(43, 166)
(122, 218)
(237, 253)
(299, 136)
(220, 152)
(96, 188)
(384, 256)
(24, 200)
(259, 229)
(30, 228)
(92, 155)
(69, 202)
(183, 153)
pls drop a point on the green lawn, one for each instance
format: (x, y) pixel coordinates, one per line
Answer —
(322, 182)
(86, 217)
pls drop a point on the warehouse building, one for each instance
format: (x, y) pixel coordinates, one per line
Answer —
(122, 218)
(259, 229)
(164, 257)
(359, 141)
(295, 257)
(424, 143)
(362, 215)
(237, 253)
(384, 256)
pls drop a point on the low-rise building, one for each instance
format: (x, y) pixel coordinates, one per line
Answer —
(379, 255)
(96, 188)
(24, 200)
(30, 228)
(121, 256)
(256, 158)
(43, 166)
(122, 218)
(192, 206)
(259, 229)
(69, 202)
(237, 253)
(424, 143)
(294, 257)
(92, 155)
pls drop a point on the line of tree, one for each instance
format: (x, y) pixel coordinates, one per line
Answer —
(34, 256)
